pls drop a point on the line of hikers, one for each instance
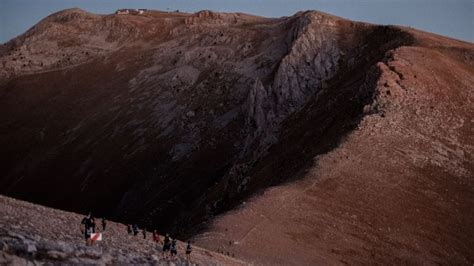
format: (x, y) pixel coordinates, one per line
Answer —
(170, 248)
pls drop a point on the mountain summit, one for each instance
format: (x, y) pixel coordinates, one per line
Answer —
(170, 118)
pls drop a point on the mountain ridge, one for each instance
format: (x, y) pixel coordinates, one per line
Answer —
(184, 116)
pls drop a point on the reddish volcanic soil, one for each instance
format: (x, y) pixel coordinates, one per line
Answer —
(397, 190)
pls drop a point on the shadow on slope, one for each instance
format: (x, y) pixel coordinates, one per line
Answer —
(327, 118)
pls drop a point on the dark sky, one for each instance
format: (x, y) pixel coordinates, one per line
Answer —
(454, 18)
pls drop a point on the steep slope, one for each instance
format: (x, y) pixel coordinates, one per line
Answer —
(33, 233)
(164, 114)
(397, 190)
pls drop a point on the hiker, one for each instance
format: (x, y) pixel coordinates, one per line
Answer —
(189, 249)
(135, 229)
(156, 236)
(89, 228)
(144, 233)
(174, 248)
(104, 223)
(129, 229)
(166, 245)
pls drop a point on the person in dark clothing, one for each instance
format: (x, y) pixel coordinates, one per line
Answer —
(89, 228)
(144, 233)
(129, 229)
(166, 245)
(104, 223)
(135, 229)
(174, 248)
(189, 249)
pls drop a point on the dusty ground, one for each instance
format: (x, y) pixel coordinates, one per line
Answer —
(33, 233)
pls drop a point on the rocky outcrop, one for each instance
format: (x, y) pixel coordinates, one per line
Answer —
(311, 60)
(24, 248)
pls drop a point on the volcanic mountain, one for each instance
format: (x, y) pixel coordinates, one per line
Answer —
(167, 119)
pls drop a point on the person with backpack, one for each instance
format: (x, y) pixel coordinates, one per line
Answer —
(189, 249)
(173, 249)
(89, 228)
(104, 223)
(129, 229)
